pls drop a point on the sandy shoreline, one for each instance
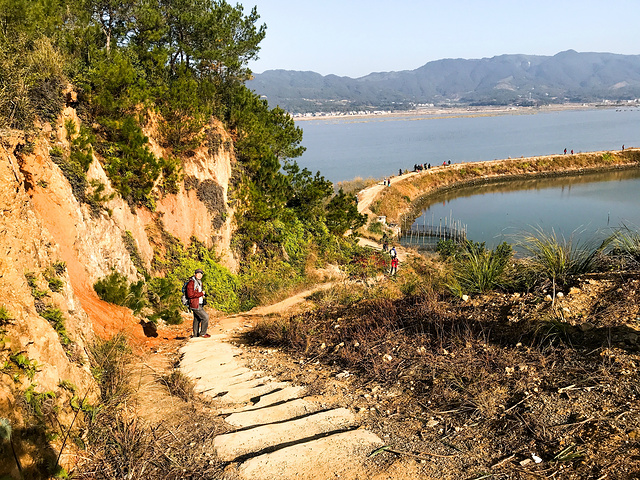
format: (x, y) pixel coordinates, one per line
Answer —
(468, 111)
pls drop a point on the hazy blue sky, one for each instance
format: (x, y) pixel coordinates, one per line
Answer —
(357, 37)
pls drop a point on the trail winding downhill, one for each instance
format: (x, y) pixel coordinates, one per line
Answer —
(279, 431)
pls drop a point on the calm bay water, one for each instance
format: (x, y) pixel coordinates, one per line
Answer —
(342, 149)
(586, 207)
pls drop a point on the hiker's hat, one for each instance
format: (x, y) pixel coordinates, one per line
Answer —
(199, 270)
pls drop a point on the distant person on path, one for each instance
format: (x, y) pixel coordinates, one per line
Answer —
(400, 172)
(195, 294)
(623, 147)
(572, 151)
(449, 162)
(385, 242)
(565, 151)
(394, 261)
(394, 266)
(356, 199)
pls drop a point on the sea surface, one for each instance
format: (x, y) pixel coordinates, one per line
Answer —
(583, 208)
(345, 148)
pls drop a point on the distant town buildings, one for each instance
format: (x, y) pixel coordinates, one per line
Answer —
(341, 114)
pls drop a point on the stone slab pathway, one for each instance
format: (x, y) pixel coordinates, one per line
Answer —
(279, 434)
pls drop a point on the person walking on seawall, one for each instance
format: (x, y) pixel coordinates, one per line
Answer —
(195, 294)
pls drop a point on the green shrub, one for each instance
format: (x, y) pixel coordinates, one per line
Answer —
(625, 243)
(55, 318)
(32, 281)
(476, 269)
(24, 364)
(134, 253)
(56, 151)
(447, 248)
(32, 79)
(376, 227)
(262, 284)
(55, 284)
(96, 198)
(67, 385)
(115, 288)
(129, 162)
(5, 316)
(59, 267)
(74, 174)
(38, 403)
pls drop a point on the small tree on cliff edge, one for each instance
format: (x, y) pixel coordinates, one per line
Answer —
(342, 214)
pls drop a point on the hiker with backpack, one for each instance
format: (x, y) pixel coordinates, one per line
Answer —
(394, 261)
(195, 298)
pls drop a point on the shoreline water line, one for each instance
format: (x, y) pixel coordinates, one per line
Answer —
(408, 193)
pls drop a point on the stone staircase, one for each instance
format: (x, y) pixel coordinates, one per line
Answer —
(279, 434)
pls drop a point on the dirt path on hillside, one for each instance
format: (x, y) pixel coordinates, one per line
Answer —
(267, 424)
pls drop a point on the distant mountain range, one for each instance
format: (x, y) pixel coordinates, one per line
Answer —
(503, 80)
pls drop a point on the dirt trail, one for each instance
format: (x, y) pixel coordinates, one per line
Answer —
(277, 429)
(367, 195)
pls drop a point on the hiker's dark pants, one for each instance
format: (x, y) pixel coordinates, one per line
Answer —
(200, 321)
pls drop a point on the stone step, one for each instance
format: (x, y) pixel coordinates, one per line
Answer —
(290, 392)
(230, 446)
(224, 385)
(200, 349)
(193, 362)
(277, 413)
(328, 457)
(210, 377)
(230, 376)
(236, 394)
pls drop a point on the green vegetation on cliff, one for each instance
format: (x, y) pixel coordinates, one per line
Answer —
(172, 65)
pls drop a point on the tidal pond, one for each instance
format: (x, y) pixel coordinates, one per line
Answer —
(585, 207)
